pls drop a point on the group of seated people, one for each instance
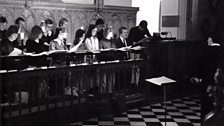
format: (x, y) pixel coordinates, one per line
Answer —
(42, 38)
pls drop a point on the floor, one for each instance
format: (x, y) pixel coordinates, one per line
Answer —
(180, 112)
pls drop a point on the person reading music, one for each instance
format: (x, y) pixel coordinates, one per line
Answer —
(7, 44)
(108, 79)
(63, 23)
(136, 37)
(33, 44)
(58, 43)
(58, 59)
(78, 43)
(107, 43)
(22, 33)
(138, 33)
(92, 42)
(48, 34)
(122, 42)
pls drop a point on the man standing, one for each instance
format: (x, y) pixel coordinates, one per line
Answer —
(139, 32)
(135, 35)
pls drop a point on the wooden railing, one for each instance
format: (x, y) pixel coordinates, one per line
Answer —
(40, 88)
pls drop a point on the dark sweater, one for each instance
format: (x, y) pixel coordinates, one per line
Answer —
(136, 34)
(6, 47)
(2, 34)
(34, 47)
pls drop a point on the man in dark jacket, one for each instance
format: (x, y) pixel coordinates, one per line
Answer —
(123, 80)
(122, 42)
(3, 23)
(139, 32)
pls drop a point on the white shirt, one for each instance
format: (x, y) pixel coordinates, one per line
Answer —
(125, 42)
(92, 43)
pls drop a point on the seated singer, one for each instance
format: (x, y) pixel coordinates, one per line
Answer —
(135, 36)
(122, 42)
(7, 44)
(123, 79)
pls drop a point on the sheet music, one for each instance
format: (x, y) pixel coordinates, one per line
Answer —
(124, 48)
(160, 80)
(15, 52)
(137, 48)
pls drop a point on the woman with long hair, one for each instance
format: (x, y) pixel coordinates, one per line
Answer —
(78, 43)
(92, 43)
(34, 44)
(58, 43)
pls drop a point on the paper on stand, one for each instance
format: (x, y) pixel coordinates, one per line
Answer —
(160, 80)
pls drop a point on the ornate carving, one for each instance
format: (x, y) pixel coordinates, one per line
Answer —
(95, 16)
(63, 14)
(8, 14)
(114, 17)
(44, 14)
(130, 18)
(80, 19)
(78, 15)
(27, 13)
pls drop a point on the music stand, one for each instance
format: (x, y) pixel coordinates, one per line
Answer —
(163, 82)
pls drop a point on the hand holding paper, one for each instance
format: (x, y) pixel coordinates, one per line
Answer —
(15, 52)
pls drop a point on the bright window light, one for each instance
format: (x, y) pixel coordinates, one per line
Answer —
(149, 11)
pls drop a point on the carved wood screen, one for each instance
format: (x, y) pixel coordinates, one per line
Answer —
(77, 14)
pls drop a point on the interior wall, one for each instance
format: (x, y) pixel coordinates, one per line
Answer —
(169, 8)
(127, 3)
(149, 11)
(79, 1)
(79, 15)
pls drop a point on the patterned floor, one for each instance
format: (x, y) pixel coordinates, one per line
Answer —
(180, 112)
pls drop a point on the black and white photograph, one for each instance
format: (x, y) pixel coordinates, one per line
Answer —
(111, 63)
